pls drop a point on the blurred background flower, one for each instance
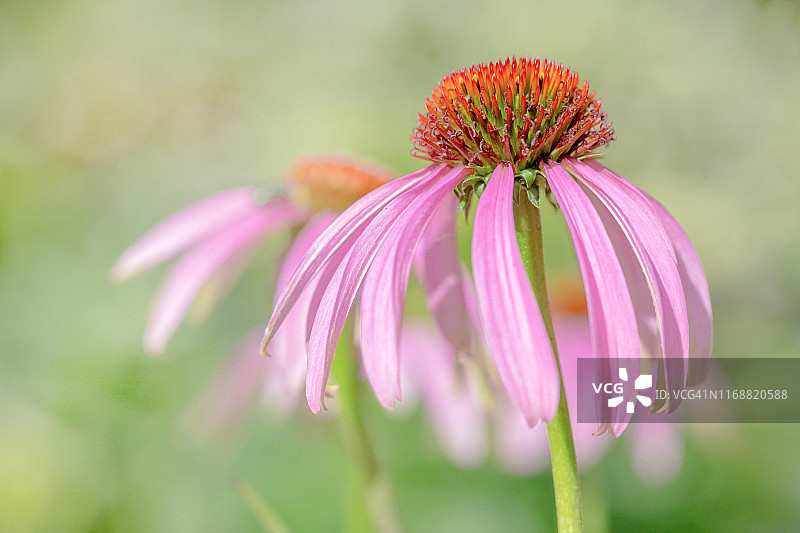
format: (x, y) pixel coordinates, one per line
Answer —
(117, 112)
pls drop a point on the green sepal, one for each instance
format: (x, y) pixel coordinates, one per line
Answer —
(463, 203)
(533, 196)
(479, 188)
(529, 176)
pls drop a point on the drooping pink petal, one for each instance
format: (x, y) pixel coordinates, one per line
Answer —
(337, 235)
(698, 299)
(341, 290)
(648, 260)
(574, 342)
(184, 229)
(523, 450)
(515, 333)
(288, 346)
(439, 269)
(217, 286)
(611, 316)
(189, 275)
(329, 320)
(471, 305)
(452, 405)
(324, 278)
(383, 294)
(693, 278)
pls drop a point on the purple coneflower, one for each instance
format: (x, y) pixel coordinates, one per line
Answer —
(511, 133)
(217, 236)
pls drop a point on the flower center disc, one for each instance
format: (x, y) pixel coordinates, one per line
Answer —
(518, 111)
(333, 183)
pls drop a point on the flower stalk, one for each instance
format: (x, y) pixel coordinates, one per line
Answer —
(566, 484)
(369, 506)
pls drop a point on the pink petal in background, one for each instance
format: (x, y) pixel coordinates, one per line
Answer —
(184, 229)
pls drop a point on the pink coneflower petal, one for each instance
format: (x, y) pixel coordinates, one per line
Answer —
(217, 286)
(330, 317)
(520, 449)
(349, 223)
(574, 342)
(288, 346)
(523, 450)
(471, 307)
(194, 269)
(646, 257)
(452, 406)
(184, 229)
(693, 278)
(383, 295)
(320, 283)
(515, 332)
(611, 316)
(341, 290)
(698, 299)
(439, 269)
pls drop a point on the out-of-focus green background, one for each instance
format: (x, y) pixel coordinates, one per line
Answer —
(115, 113)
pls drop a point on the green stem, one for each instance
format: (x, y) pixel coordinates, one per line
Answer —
(559, 432)
(268, 518)
(370, 507)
